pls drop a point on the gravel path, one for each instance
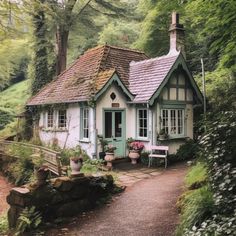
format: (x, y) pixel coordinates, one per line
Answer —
(144, 209)
(4, 191)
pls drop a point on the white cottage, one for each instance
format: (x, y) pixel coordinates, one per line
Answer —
(120, 93)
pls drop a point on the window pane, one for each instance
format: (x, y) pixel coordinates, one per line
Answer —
(108, 124)
(180, 121)
(118, 124)
(62, 118)
(142, 123)
(85, 117)
(173, 121)
(50, 119)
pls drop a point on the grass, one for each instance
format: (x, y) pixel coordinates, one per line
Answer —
(197, 176)
(196, 206)
(12, 101)
(3, 224)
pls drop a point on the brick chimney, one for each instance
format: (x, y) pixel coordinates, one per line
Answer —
(176, 35)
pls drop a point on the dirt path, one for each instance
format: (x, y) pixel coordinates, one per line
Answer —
(4, 191)
(144, 209)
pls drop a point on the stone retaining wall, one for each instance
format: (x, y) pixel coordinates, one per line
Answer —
(59, 197)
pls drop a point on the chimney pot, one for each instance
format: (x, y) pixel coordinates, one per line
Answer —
(175, 18)
(176, 35)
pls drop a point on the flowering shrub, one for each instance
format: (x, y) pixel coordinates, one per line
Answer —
(136, 145)
(110, 148)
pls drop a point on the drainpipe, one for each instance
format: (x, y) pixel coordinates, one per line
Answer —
(150, 116)
(95, 133)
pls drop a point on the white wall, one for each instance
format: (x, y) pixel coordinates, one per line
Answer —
(69, 137)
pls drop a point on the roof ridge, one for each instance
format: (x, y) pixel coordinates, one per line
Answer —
(115, 47)
(155, 58)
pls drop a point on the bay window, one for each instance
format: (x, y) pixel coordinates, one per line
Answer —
(172, 121)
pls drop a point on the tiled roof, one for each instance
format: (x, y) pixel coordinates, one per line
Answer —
(146, 76)
(88, 74)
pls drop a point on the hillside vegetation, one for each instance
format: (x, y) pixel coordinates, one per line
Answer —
(12, 101)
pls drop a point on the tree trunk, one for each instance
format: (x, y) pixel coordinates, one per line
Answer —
(62, 41)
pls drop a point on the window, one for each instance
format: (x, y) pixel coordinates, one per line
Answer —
(62, 119)
(142, 123)
(50, 118)
(172, 121)
(85, 123)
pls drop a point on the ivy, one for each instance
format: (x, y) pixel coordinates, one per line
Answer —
(218, 148)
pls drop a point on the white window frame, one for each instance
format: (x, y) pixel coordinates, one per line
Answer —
(85, 123)
(47, 119)
(59, 116)
(171, 124)
(142, 127)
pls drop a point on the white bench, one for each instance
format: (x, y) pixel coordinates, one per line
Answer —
(154, 149)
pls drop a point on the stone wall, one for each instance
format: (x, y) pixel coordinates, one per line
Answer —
(59, 197)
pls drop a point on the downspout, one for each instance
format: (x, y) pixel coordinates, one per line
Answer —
(95, 133)
(151, 119)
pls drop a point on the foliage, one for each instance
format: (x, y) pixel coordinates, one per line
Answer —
(3, 224)
(197, 176)
(110, 148)
(188, 150)
(5, 118)
(22, 169)
(29, 220)
(13, 63)
(103, 142)
(119, 33)
(73, 152)
(219, 151)
(196, 206)
(91, 166)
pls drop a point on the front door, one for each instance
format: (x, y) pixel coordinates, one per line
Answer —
(114, 130)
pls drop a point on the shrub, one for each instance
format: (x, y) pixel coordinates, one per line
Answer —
(218, 148)
(188, 150)
(196, 206)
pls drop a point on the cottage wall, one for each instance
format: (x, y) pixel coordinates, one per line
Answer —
(69, 137)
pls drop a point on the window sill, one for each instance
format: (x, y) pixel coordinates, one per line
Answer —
(55, 130)
(142, 139)
(84, 141)
(173, 138)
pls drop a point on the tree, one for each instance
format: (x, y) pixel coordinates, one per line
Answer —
(40, 49)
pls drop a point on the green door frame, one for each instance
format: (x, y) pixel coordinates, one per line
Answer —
(121, 139)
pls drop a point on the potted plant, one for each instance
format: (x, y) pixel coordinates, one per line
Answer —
(109, 149)
(162, 135)
(135, 149)
(103, 144)
(76, 163)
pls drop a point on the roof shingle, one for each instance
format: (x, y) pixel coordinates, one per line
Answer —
(88, 74)
(146, 76)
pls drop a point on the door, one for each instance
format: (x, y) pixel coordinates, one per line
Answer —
(114, 130)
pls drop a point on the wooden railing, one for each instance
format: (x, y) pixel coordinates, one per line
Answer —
(51, 158)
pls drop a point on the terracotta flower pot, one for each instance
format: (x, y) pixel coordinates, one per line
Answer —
(109, 158)
(134, 156)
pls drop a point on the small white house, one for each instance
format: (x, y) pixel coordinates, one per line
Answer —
(120, 93)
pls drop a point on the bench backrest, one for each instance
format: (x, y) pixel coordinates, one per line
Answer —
(164, 148)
